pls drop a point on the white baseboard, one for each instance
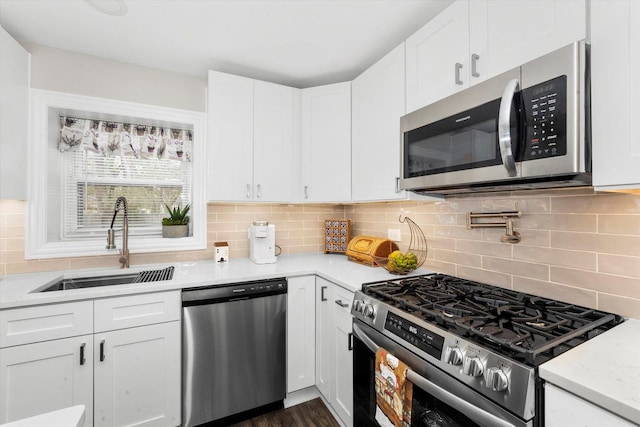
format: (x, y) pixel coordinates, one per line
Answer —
(301, 396)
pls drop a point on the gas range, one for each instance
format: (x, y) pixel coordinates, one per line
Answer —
(491, 339)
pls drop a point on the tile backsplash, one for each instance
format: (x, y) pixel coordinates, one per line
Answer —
(576, 246)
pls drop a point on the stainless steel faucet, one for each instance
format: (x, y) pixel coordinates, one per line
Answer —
(124, 252)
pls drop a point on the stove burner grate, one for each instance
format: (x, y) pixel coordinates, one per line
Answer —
(526, 327)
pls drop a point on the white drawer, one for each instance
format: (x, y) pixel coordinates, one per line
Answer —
(136, 310)
(342, 300)
(45, 322)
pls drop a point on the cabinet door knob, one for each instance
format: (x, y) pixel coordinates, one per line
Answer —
(102, 355)
(457, 76)
(474, 65)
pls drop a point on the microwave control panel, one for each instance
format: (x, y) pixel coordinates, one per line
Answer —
(545, 110)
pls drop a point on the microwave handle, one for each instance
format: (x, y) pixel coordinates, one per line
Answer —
(458, 403)
(504, 127)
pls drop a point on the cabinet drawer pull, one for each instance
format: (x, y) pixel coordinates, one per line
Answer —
(322, 297)
(82, 359)
(102, 355)
(474, 65)
(458, 67)
(350, 339)
(342, 304)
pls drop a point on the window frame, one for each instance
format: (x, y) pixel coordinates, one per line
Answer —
(45, 108)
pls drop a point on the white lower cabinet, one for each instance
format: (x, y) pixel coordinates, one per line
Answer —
(301, 332)
(126, 373)
(563, 409)
(46, 376)
(137, 376)
(334, 360)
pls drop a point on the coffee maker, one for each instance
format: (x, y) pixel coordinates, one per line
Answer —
(262, 242)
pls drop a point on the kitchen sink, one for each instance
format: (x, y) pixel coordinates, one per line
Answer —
(110, 280)
(90, 282)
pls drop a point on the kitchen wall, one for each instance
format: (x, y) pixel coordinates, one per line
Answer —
(65, 71)
(299, 228)
(576, 246)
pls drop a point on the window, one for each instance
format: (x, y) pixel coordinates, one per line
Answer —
(85, 152)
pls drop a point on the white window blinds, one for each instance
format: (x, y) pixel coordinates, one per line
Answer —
(97, 172)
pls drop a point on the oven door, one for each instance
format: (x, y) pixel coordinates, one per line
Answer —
(438, 399)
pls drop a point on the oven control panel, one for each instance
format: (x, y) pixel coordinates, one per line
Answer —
(424, 339)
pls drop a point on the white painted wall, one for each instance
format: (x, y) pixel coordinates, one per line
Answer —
(14, 86)
(65, 71)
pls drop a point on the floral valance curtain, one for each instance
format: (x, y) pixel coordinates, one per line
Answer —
(112, 139)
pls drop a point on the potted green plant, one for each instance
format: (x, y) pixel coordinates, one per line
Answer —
(177, 224)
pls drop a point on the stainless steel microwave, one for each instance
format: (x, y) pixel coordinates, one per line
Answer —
(526, 128)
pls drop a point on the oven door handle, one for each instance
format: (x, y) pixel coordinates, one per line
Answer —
(476, 414)
(481, 416)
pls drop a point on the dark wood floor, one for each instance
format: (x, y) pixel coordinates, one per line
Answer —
(308, 414)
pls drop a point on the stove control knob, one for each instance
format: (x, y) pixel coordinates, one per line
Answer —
(453, 356)
(496, 379)
(357, 305)
(369, 311)
(472, 366)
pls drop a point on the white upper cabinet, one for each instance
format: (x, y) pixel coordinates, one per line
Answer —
(505, 34)
(378, 104)
(615, 67)
(438, 57)
(325, 152)
(14, 113)
(472, 41)
(273, 140)
(251, 128)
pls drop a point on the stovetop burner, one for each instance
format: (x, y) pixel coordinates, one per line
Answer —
(525, 327)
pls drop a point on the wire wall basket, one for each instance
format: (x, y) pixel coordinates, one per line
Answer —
(405, 262)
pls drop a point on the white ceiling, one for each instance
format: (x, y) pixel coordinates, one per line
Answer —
(299, 43)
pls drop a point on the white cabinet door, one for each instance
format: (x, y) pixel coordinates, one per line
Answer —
(615, 65)
(137, 376)
(46, 376)
(562, 409)
(438, 57)
(326, 143)
(324, 340)
(378, 103)
(505, 34)
(14, 114)
(230, 141)
(343, 356)
(334, 359)
(301, 332)
(472, 41)
(273, 124)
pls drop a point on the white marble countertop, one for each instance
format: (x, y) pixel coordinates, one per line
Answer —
(67, 417)
(604, 370)
(18, 290)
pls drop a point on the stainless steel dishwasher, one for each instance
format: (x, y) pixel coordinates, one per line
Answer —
(234, 349)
